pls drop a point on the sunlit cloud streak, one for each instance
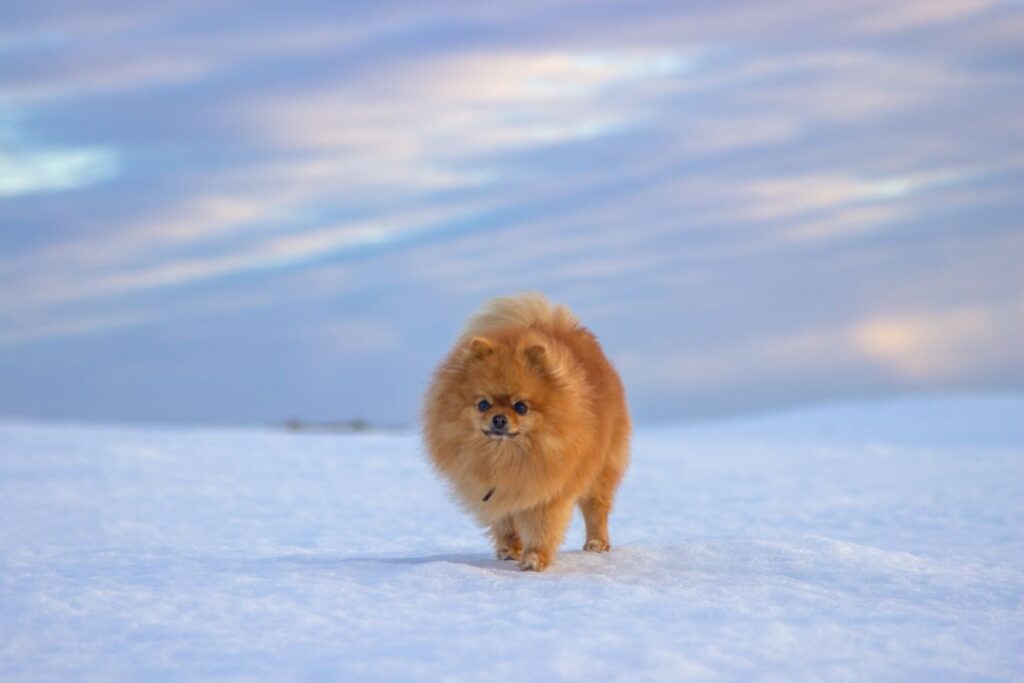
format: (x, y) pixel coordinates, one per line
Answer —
(28, 172)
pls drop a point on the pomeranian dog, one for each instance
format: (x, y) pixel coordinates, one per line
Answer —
(525, 418)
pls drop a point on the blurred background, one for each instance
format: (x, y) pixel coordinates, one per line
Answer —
(249, 212)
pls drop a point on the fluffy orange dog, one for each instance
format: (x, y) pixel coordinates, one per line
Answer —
(525, 418)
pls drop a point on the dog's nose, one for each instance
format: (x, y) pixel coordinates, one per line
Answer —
(499, 422)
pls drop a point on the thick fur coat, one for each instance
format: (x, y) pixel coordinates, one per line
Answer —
(526, 418)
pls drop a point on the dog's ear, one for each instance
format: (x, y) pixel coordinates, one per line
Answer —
(545, 358)
(479, 347)
(537, 356)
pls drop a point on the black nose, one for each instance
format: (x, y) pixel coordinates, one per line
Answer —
(499, 422)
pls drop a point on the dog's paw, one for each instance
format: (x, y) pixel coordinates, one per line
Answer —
(597, 545)
(534, 562)
(507, 552)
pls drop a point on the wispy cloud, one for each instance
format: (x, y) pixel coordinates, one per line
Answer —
(439, 123)
(950, 344)
(73, 325)
(31, 171)
(269, 253)
(920, 349)
(76, 80)
(782, 196)
(892, 17)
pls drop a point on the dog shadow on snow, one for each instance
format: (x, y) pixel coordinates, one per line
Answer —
(485, 561)
(478, 560)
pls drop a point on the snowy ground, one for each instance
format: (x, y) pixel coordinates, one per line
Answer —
(881, 543)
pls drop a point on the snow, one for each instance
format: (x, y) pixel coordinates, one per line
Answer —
(877, 542)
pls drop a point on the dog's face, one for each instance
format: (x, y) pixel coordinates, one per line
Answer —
(507, 389)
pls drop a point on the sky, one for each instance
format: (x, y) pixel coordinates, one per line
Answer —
(246, 212)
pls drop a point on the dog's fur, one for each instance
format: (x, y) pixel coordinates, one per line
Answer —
(570, 447)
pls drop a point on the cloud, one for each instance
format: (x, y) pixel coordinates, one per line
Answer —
(849, 87)
(42, 325)
(690, 368)
(71, 325)
(918, 349)
(435, 123)
(269, 253)
(904, 16)
(352, 147)
(946, 344)
(782, 196)
(739, 132)
(110, 51)
(115, 75)
(32, 171)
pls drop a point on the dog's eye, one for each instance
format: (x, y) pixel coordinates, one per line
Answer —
(520, 408)
(483, 406)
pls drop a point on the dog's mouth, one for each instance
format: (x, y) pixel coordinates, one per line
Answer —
(495, 434)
